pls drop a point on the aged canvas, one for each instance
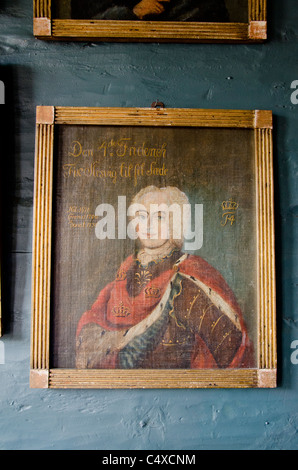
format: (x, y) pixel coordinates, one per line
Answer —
(155, 10)
(136, 287)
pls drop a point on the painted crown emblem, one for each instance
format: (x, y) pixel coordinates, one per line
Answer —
(121, 275)
(152, 292)
(229, 205)
(121, 310)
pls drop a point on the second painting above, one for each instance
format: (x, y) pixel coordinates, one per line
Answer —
(152, 20)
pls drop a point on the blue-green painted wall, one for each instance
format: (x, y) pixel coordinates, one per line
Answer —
(202, 76)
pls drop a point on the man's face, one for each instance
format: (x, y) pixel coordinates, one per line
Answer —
(153, 227)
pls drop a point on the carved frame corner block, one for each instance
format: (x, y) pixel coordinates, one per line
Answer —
(45, 114)
(39, 378)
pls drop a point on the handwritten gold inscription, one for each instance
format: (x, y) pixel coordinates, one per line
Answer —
(121, 148)
(81, 217)
(125, 147)
(102, 160)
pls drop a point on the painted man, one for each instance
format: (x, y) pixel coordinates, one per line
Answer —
(165, 308)
(154, 10)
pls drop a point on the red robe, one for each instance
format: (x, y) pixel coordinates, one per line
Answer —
(114, 309)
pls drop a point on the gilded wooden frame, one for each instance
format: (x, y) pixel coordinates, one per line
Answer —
(41, 375)
(47, 27)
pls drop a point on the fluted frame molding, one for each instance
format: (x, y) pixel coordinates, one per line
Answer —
(41, 374)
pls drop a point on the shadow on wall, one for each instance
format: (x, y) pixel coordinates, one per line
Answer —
(285, 224)
(11, 196)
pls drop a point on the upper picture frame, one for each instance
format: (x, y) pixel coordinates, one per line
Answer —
(153, 249)
(227, 21)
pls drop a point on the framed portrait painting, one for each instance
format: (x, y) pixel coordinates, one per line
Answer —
(153, 249)
(151, 20)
